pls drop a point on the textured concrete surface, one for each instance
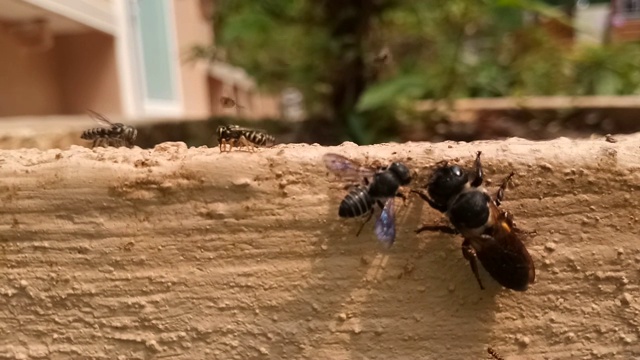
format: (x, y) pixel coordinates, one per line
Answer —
(177, 253)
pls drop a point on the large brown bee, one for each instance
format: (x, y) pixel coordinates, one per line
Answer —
(489, 232)
(239, 137)
(110, 134)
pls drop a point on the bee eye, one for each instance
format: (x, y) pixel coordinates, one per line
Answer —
(456, 171)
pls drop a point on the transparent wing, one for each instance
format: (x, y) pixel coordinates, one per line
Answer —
(346, 168)
(100, 119)
(386, 224)
(240, 128)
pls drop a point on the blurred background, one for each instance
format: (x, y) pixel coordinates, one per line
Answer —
(319, 71)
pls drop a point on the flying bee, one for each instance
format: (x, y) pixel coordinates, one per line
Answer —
(236, 136)
(494, 354)
(110, 134)
(383, 57)
(489, 232)
(228, 103)
(379, 186)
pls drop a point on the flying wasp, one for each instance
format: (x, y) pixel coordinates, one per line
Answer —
(228, 103)
(239, 137)
(383, 57)
(489, 232)
(110, 134)
(373, 186)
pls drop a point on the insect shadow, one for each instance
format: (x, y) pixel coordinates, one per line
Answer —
(364, 298)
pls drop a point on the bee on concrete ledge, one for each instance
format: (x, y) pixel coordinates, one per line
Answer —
(239, 137)
(110, 134)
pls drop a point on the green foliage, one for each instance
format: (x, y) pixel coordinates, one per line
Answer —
(387, 93)
(271, 40)
(440, 50)
(607, 70)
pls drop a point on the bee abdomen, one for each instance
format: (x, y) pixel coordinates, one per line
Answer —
(357, 203)
(259, 138)
(95, 133)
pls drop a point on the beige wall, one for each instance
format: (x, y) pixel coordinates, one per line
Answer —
(77, 73)
(192, 29)
(80, 72)
(87, 73)
(28, 80)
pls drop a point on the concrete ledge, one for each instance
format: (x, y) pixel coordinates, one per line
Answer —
(190, 254)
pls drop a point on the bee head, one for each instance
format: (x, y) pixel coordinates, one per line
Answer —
(446, 182)
(222, 132)
(130, 133)
(401, 171)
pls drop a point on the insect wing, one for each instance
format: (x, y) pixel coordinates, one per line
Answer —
(346, 168)
(386, 224)
(506, 259)
(100, 119)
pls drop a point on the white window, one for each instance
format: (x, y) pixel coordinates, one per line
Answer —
(153, 58)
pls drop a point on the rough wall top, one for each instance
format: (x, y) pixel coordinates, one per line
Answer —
(191, 254)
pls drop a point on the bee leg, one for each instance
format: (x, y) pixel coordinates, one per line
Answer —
(442, 163)
(402, 196)
(470, 254)
(503, 187)
(508, 217)
(437, 228)
(478, 178)
(365, 222)
(433, 204)
(244, 143)
(348, 187)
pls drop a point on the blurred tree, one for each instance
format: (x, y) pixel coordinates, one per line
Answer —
(318, 46)
(359, 61)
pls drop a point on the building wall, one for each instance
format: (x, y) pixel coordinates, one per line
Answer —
(80, 71)
(87, 73)
(29, 82)
(192, 28)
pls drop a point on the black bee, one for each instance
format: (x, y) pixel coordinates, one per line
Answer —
(489, 233)
(233, 135)
(111, 134)
(380, 186)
